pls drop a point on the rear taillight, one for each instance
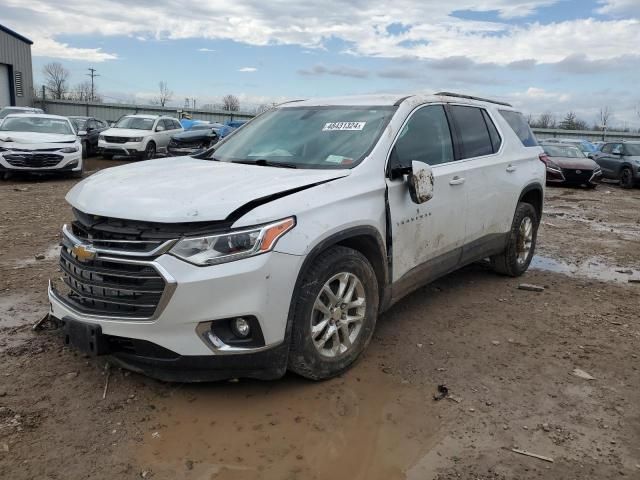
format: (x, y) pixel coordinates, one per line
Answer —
(544, 158)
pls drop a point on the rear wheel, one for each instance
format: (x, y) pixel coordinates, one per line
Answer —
(335, 314)
(515, 259)
(626, 178)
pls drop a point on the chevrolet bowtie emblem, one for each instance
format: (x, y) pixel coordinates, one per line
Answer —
(84, 253)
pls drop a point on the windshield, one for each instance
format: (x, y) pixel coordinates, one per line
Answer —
(25, 123)
(307, 137)
(79, 123)
(585, 147)
(135, 123)
(632, 149)
(562, 151)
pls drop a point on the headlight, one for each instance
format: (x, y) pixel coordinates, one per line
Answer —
(227, 247)
(69, 149)
(135, 139)
(101, 137)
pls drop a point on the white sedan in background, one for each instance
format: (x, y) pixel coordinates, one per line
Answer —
(39, 143)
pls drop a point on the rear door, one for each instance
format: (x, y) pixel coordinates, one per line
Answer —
(490, 179)
(606, 160)
(426, 238)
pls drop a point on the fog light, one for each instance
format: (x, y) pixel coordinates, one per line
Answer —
(240, 327)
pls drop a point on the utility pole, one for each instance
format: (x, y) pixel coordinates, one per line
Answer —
(93, 74)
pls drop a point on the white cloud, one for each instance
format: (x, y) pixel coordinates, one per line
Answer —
(433, 32)
(619, 7)
(206, 50)
(248, 69)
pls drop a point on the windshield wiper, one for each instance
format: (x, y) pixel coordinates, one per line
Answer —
(263, 162)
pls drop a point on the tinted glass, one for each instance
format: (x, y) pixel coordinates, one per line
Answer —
(308, 137)
(425, 138)
(617, 148)
(520, 126)
(473, 131)
(607, 148)
(496, 140)
(632, 149)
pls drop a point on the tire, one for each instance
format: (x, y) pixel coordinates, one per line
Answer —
(85, 149)
(149, 151)
(515, 259)
(626, 178)
(333, 357)
(79, 173)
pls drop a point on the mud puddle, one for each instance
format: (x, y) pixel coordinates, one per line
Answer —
(594, 268)
(365, 425)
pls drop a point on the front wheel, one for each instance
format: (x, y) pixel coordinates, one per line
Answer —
(335, 314)
(626, 178)
(149, 151)
(515, 259)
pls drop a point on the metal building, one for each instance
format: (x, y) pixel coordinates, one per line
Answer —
(16, 76)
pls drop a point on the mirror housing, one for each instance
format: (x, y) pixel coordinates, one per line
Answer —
(159, 128)
(420, 182)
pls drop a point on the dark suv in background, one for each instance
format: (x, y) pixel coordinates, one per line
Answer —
(620, 161)
(88, 130)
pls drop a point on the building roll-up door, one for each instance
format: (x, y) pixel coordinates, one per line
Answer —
(5, 86)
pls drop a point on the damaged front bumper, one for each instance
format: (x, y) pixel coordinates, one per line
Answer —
(187, 339)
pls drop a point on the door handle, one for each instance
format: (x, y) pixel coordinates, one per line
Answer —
(456, 180)
(511, 168)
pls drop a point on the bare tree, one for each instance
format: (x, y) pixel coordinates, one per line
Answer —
(546, 120)
(262, 108)
(605, 117)
(165, 94)
(230, 103)
(56, 77)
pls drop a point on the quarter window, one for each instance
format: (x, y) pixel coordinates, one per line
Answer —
(425, 137)
(473, 131)
(520, 126)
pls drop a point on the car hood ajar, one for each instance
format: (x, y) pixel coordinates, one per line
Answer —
(19, 139)
(185, 189)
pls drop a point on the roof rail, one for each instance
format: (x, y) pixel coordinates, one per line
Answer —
(470, 97)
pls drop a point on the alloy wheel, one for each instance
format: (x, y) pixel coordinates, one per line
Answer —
(525, 240)
(338, 314)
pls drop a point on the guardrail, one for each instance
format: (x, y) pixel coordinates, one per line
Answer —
(113, 111)
(593, 136)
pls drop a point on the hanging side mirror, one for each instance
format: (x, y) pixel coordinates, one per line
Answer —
(420, 181)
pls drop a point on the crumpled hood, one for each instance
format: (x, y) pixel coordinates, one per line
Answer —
(574, 163)
(185, 189)
(28, 139)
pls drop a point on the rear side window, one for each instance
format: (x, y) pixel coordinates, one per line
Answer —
(607, 148)
(473, 131)
(520, 126)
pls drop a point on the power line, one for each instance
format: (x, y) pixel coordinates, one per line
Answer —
(93, 74)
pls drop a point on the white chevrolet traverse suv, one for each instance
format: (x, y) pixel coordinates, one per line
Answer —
(140, 136)
(279, 247)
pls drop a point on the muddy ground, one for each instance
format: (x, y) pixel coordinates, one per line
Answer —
(506, 355)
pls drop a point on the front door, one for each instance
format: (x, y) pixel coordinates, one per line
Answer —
(427, 238)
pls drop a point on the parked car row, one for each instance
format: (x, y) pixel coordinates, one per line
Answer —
(29, 139)
(574, 162)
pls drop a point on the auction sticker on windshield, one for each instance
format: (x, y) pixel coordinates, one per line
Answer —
(352, 126)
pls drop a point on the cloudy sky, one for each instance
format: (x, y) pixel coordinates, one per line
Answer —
(542, 55)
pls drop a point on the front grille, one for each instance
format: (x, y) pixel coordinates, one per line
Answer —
(33, 160)
(133, 235)
(110, 287)
(117, 139)
(571, 175)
